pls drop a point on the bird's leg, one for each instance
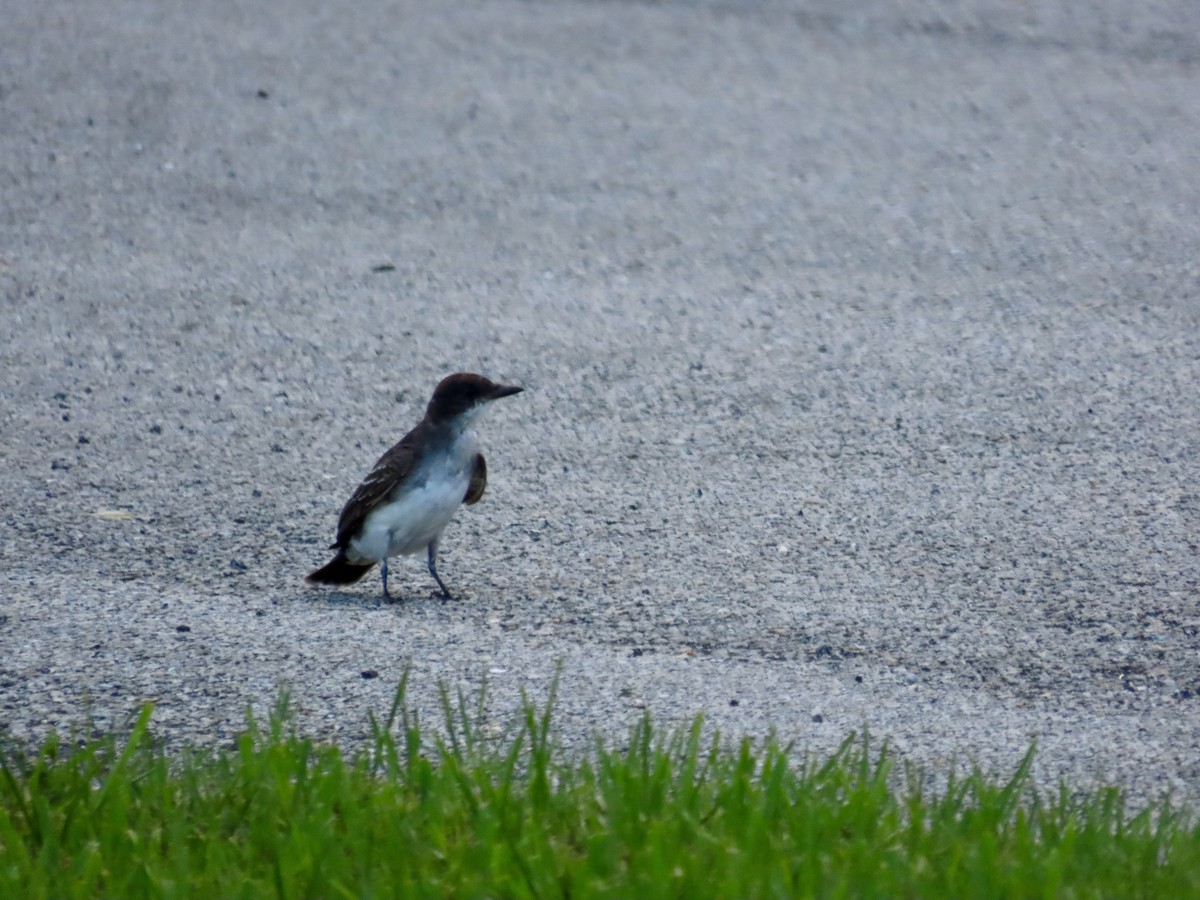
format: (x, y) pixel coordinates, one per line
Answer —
(383, 572)
(433, 569)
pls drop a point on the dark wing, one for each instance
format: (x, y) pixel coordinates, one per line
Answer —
(478, 481)
(391, 469)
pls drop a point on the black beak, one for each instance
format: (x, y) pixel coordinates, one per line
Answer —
(503, 390)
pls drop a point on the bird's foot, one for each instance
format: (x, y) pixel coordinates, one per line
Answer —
(446, 595)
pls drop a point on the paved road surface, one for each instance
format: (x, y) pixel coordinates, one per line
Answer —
(861, 343)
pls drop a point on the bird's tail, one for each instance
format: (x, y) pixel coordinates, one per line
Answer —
(339, 570)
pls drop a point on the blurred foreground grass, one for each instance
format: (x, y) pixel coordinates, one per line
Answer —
(450, 814)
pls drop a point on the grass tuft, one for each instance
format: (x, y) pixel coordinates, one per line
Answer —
(460, 814)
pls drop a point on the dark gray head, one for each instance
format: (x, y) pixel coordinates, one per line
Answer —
(462, 392)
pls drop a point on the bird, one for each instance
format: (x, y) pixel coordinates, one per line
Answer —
(409, 497)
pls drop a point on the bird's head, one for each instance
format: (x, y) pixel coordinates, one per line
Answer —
(463, 393)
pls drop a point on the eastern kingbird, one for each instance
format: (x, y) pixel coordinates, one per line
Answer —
(405, 503)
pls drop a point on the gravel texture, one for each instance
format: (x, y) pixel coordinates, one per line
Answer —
(861, 345)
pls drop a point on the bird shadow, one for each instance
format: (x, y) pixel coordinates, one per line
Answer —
(347, 599)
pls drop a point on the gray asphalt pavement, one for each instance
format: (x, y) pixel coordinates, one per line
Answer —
(860, 341)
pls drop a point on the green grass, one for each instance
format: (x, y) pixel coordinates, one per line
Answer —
(458, 816)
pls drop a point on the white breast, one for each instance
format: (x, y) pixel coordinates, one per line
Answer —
(422, 511)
